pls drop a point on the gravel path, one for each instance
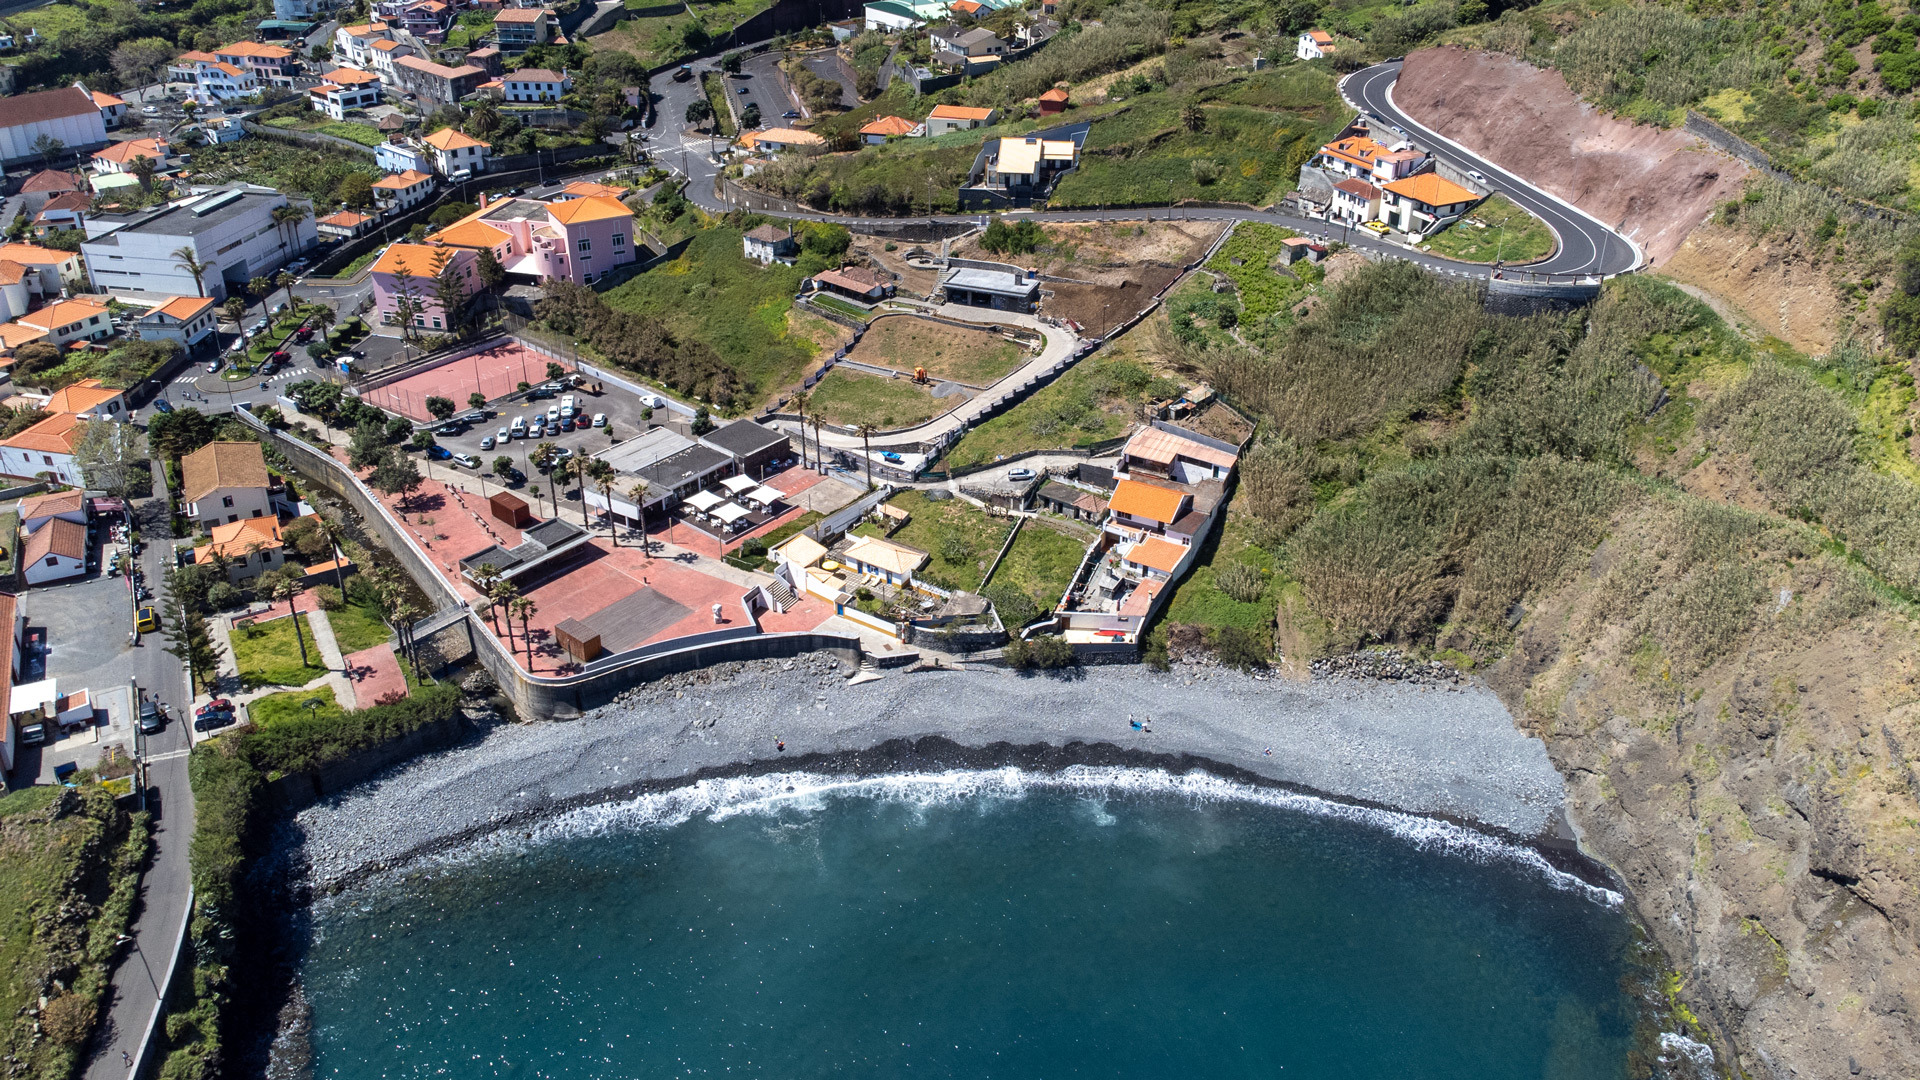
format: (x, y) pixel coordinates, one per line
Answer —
(1441, 750)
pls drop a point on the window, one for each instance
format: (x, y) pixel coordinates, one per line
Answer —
(586, 244)
(53, 560)
(436, 324)
(619, 241)
(226, 500)
(256, 512)
(48, 458)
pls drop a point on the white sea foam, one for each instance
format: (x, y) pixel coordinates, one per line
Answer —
(1675, 1047)
(805, 792)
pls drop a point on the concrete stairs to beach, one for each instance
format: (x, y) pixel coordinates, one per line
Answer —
(783, 595)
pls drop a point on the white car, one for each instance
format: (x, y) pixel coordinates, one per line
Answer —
(1477, 177)
(653, 401)
(553, 415)
(519, 427)
(467, 460)
(599, 419)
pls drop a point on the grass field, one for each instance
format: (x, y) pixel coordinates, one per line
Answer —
(959, 538)
(1199, 601)
(712, 294)
(975, 357)
(1512, 235)
(267, 654)
(1255, 135)
(716, 89)
(1093, 401)
(358, 625)
(856, 397)
(291, 706)
(835, 304)
(364, 134)
(1041, 563)
(1247, 258)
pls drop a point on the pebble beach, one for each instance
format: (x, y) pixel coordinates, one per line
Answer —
(1424, 746)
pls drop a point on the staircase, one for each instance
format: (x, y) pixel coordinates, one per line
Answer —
(782, 594)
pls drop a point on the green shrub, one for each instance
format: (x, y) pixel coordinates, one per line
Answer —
(1241, 581)
(1042, 652)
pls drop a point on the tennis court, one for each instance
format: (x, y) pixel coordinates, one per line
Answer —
(495, 372)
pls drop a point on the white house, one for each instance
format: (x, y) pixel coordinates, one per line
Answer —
(535, 84)
(454, 152)
(945, 118)
(211, 80)
(112, 109)
(886, 15)
(188, 320)
(45, 448)
(249, 547)
(403, 189)
(119, 157)
(70, 320)
(381, 54)
(403, 155)
(233, 231)
(770, 244)
(69, 505)
(352, 44)
(1425, 203)
(56, 552)
(225, 482)
(1354, 201)
(344, 90)
(1315, 44)
(68, 115)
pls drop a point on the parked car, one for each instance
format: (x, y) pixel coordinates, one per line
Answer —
(213, 366)
(790, 114)
(599, 419)
(1018, 475)
(501, 437)
(466, 461)
(33, 734)
(561, 453)
(259, 327)
(148, 620)
(451, 427)
(653, 401)
(519, 427)
(212, 721)
(553, 387)
(1379, 227)
(280, 356)
(303, 335)
(436, 452)
(151, 722)
(151, 110)
(553, 414)
(486, 442)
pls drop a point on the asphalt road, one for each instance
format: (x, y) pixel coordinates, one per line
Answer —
(1587, 246)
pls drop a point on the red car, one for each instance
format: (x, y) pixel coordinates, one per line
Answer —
(282, 356)
(303, 335)
(217, 705)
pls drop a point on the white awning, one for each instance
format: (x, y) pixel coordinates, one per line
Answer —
(704, 501)
(737, 484)
(33, 697)
(730, 513)
(764, 495)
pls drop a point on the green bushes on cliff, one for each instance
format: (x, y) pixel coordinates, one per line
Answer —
(229, 775)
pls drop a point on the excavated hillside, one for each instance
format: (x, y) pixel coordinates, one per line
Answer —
(1525, 119)
(1763, 807)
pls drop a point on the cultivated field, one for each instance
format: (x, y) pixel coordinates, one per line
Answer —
(850, 398)
(962, 354)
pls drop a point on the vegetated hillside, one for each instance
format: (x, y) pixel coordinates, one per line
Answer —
(1685, 560)
(69, 873)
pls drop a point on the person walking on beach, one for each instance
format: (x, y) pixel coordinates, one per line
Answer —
(126, 1059)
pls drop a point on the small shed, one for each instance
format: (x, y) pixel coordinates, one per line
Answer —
(510, 508)
(580, 641)
(1053, 101)
(1295, 248)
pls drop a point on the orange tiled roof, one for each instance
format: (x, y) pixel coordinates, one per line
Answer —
(57, 434)
(1357, 149)
(1058, 93)
(889, 125)
(222, 465)
(184, 308)
(123, 153)
(1432, 189)
(520, 15)
(240, 538)
(471, 234)
(33, 254)
(449, 139)
(958, 112)
(59, 502)
(255, 48)
(345, 219)
(105, 101)
(11, 272)
(1146, 501)
(580, 189)
(1160, 446)
(82, 397)
(422, 260)
(57, 537)
(13, 335)
(591, 208)
(1161, 555)
(402, 180)
(57, 315)
(347, 76)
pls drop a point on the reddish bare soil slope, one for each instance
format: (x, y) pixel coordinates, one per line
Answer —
(1661, 183)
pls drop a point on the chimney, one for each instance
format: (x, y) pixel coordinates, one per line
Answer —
(483, 200)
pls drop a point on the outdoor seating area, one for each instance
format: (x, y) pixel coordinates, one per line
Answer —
(735, 505)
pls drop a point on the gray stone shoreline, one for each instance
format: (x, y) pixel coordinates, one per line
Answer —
(1445, 751)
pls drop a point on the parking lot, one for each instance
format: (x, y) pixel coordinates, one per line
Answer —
(624, 413)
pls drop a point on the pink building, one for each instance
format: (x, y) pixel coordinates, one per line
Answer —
(407, 275)
(578, 240)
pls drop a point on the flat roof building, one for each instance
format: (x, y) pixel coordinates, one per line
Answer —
(231, 229)
(995, 289)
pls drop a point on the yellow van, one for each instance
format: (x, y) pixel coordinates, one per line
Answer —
(148, 620)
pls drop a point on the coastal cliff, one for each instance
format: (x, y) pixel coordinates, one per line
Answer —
(1761, 806)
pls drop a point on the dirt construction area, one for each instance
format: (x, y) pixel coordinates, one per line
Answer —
(1524, 119)
(1113, 267)
(973, 357)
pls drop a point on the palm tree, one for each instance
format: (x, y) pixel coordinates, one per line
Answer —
(290, 214)
(186, 258)
(819, 448)
(235, 307)
(866, 448)
(638, 493)
(503, 593)
(285, 281)
(285, 588)
(603, 476)
(800, 406)
(142, 168)
(544, 457)
(524, 609)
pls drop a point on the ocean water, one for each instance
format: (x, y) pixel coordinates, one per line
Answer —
(1098, 923)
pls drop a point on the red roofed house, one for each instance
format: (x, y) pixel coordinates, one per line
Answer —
(534, 84)
(1139, 509)
(877, 131)
(855, 282)
(1424, 204)
(67, 211)
(70, 319)
(45, 448)
(54, 553)
(1054, 101)
(1176, 454)
(1315, 44)
(250, 547)
(346, 224)
(401, 190)
(112, 109)
(211, 80)
(405, 274)
(37, 511)
(269, 63)
(520, 29)
(344, 90)
(68, 114)
(578, 240)
(185, 319)
(89, 399)
(1354, 201)
(14, 294)
(120, 156)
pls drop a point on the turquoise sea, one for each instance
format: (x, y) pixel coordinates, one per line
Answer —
(1104, 923)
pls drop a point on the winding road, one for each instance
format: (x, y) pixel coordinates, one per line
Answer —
(1587, 247)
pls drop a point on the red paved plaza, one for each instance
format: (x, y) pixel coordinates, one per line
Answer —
(495, 372)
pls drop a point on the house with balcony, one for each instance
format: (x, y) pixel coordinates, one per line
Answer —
(119, 157)
(1424, 204)
(402, 154)
(578, 240)
(534, 84)
(270, 64)
(406, 283)
(344, 90)
(520, 29)
(67, 211)
(945, 118)
(402, 190)
(1314, 45)
(455, 153)
(425, 21)
(210, 80)
(353, 45)
(384, 56)
(70, 320)
(1355, 201)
